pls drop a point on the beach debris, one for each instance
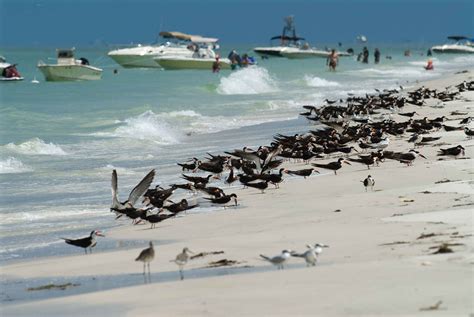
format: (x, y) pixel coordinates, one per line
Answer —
(395, 243)
(337, 210)
(426, 192)
(407, 200)
(203, 254)
(52, 286)
(428, 235)
(432, 307)
(444, 180)
(426, 263)
(443, 248)
(222, 262)
(458, 113)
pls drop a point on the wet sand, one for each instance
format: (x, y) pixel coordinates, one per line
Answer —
(378, 262)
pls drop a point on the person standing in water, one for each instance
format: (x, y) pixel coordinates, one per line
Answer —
(365, 55)
(377, 56)
(216, 66)
(332, 60)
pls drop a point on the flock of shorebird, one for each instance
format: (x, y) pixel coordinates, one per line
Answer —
(363, 121)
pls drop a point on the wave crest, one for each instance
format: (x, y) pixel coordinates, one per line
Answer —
(247, 81)
(36, 146)
(314, 81)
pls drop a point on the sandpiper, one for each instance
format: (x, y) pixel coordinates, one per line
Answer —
(146, 256)
(181, 260)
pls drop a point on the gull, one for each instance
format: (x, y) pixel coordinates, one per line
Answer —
(181, 260)
(135, 194)
(146, 256)
(311, 255)
(278, 260)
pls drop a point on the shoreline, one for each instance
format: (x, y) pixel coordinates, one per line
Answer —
(389, 269)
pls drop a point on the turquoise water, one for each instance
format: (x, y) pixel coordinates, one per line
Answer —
(59, 141)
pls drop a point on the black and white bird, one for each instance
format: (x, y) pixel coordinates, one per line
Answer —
(146, 256)
(469, 132)
(409, 157)
(181, 260)
(87, 242)
(224, 199)
(135, 194)
(278, 260)
(311, 255)
(369, 181)
(456, 151)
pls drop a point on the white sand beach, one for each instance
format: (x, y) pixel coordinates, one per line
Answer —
(380, 260)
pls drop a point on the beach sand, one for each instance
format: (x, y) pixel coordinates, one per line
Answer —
(378, 262)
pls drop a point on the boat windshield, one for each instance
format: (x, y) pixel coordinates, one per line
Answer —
(65, 54)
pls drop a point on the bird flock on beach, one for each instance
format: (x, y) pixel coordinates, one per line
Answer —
(363, 125)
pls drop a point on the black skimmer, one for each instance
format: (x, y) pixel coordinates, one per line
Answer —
(334, 166)
(369, 181)
(453, 151)
(311, 255)
(408, 114)
(153, 219)
(409, 157)
(197, 179)
(181, 260)
(469, 132)
(303, 172)
(259, 185)
(190, 166)
(87, 242)
(231, 178)
(213, 191)
(278, 260)
(146, 256)
(223, 199)
(135, 194)
(366, 159)
(449, 128)
(179, 207)
(275, 179)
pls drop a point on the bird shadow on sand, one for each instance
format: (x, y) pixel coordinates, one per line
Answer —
(16, 291)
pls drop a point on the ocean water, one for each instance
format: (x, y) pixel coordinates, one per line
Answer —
(59, 141)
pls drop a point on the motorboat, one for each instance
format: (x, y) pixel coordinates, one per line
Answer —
(202, 57)
(143, 56)
(361, 38)
(287, 39)
(290, 45)
(68, 68)
(8, 71)
(461, 45)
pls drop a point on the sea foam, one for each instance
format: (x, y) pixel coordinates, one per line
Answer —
(36, 146)
(247, 81)
(314, 81)
(13, 165)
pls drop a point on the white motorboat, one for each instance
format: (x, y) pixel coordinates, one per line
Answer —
(287, 39)
(307, 52)
(143, 56)
(290, 45)
(203, 56)
(461, 45)
(68, 68)
(8, 71)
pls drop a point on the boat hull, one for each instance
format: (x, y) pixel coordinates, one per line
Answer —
(453, 49)
(70, 72)
(268, 51)
(190, 63)
(135, 61)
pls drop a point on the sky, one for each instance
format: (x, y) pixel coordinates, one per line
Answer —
(46, 23)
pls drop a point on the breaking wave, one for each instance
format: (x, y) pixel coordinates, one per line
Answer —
(12, 165)
(248, 81)
(314, 81)
(36, 146)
